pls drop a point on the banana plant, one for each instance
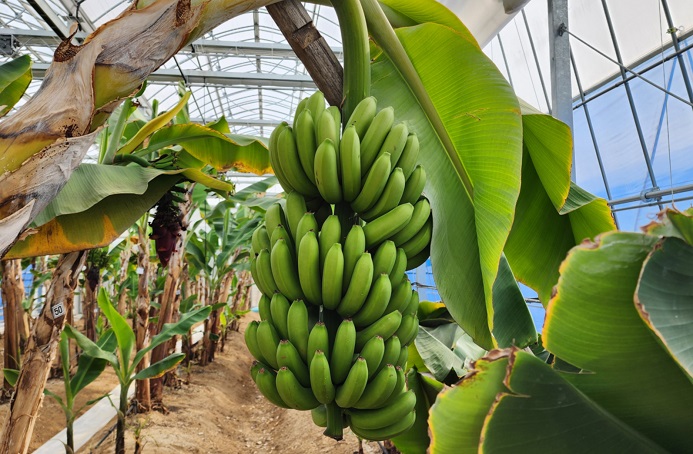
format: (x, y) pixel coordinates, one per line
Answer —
(622, 301)
(88, 370)
(122, 360)
(132, 178)
(515, 203)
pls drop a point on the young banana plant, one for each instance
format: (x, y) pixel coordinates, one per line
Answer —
(121, 359)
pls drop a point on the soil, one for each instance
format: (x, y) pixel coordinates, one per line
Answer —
(220, 410)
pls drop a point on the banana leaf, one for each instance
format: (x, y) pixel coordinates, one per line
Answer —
(221, 151)
(552, 214)
(15, 77)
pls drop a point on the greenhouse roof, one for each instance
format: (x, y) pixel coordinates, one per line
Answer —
(631, 138)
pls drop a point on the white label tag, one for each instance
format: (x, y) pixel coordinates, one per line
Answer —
(58, 310)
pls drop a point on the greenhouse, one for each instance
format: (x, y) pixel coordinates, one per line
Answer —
(347, 226)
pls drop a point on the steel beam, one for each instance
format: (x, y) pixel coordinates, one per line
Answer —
(221, 78)
(209, 47)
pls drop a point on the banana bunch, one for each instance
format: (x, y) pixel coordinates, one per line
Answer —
(370, 168)
(338, 311)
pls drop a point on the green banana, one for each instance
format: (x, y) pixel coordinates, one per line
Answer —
(374, 185)
(305, 225)
(393, 348)
(403, 356)
(288, 356)
(290, 163)
(397, 273)
(264, 273)
(319, 416)
(279, 308)
(250, 336)
(256, 277)
(389, 198)
(267, 384)
(300, 108)
(375, 136)
(384, 327)
(401, 381)
(362, 116)
(373, 353)
(329, 125)
(351, 390)
(264, 307)
(316, 104)
(379, 390)
(255, 368)
(268, 341)
(318, 339)
(387, 225)
(407, 162)
(395, 142)
(260, 239)
(330, 233)
(400, 297)
(350, 163)
(274, 216)
(284, 271)
(321, 379)
(359, 286)
(327, 172)
(332, 275)
(376, 302)
(408, 329)
(415, 185)
(419, 259)
(397, 409)
(305, 142)
(421, 214)
(295, 209)
(281, 233)
(343, 351)
(384, 258)
(354, 247)
(386, 433)
(274, 156)
(293, 393)
(309, 268)
(413, 306)
(420, 241)
(297, 323)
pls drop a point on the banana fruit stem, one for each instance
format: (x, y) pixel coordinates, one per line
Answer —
(334, 422)
(357, 70)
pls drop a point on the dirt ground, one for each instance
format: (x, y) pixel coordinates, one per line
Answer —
(219, 411)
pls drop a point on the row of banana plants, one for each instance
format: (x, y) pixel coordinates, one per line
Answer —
(180, 266)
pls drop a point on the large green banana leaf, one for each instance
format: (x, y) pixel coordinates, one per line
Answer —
(621, 384)
(100, 220)
(15, 76)
(406, 13)
(415, 440)
(473, 137)
(552, 215)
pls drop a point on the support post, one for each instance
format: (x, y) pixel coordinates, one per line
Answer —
(559, 50)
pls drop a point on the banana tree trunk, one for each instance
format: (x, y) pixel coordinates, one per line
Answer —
(168, 298)
(12, 293)
(43, 343)
(122, 277)
(88, 309)
(213, 334)
(142, 393)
